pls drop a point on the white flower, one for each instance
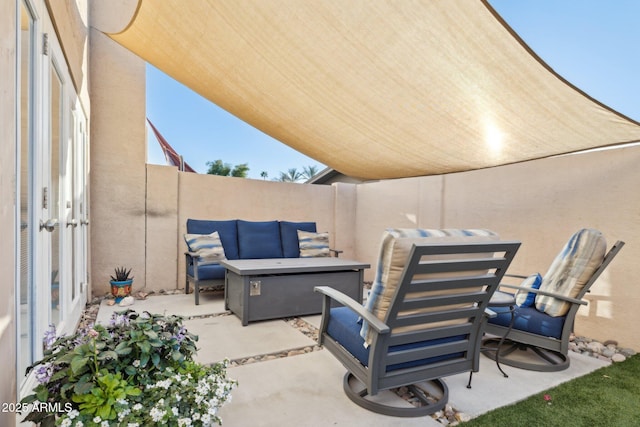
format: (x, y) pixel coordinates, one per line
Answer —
(97, 420)
(137, 407)
(184, 422)
(123, 413)
(175, 411)
(136, 363)
(156, 414)
(195, 416)
(178, 397)
(73, 413)
(133, 425)
(105, 423)
(79, 424)
(65, 423)
(206, 419)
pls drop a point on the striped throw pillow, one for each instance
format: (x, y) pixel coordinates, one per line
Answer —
(313, 244)
(207, 246)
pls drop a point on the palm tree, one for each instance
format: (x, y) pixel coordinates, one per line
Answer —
(309, 171)
(264, 174)
(292, 175)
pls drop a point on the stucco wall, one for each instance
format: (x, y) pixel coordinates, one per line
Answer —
(173, 197)
(8, 173)
(540, 203)
(118, 155)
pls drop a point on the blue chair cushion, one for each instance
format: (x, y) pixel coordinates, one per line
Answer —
(344, 327)
(259, 239)
(227, 230)
(529, 319)
(289, 235)
(207, 272)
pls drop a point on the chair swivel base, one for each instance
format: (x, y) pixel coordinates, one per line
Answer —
(525, 356)
(358, 394)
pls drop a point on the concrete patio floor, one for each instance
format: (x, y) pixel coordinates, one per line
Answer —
(306, 389)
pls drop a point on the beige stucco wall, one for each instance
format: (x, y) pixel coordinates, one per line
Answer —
(399, 203)
(118, 154)
(162, 228)
(8, 173)
(540, 203)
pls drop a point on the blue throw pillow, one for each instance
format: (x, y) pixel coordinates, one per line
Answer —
(528, 299)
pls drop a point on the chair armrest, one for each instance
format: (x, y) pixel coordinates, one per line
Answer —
(377, 324)
(192, 254)
(517, 276)
(490, 314)
(336, 252)
(551, 294)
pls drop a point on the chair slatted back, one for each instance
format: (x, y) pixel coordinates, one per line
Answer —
(436, 314)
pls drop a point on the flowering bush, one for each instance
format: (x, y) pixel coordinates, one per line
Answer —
(136, 371)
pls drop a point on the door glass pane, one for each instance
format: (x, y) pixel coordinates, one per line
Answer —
(74, 202)
(25, 322)
(54, 208)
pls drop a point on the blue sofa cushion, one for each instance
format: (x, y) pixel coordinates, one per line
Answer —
(289, 235)
(344, 327)
(529, 319)
(207, 272)
(227, 230)
(259, 239)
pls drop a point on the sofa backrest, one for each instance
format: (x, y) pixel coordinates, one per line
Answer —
(228, 231)
(254, 239)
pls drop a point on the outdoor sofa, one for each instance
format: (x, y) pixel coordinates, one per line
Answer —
(210, 241)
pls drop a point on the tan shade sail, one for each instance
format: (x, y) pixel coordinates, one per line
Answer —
(375, 89)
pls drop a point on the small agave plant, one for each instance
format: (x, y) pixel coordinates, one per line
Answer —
(122, 275)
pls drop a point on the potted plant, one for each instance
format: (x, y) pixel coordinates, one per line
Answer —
(121, 283)
(136, 371)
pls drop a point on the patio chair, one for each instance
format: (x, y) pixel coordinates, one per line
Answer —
(423, 320)
(537, 336)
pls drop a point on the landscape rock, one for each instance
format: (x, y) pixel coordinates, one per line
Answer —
(618, 357)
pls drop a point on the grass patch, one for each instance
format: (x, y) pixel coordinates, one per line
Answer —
(609, 396)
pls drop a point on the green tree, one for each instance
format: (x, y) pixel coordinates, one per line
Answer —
(226, 169)
(264, 174)
(240, 171)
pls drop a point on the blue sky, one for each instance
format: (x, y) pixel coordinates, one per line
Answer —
(594, 44)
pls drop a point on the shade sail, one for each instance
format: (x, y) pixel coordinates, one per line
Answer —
(375, 89)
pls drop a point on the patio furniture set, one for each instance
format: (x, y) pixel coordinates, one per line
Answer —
(427, 312)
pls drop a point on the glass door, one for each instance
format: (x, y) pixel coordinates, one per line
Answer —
(52, 159)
